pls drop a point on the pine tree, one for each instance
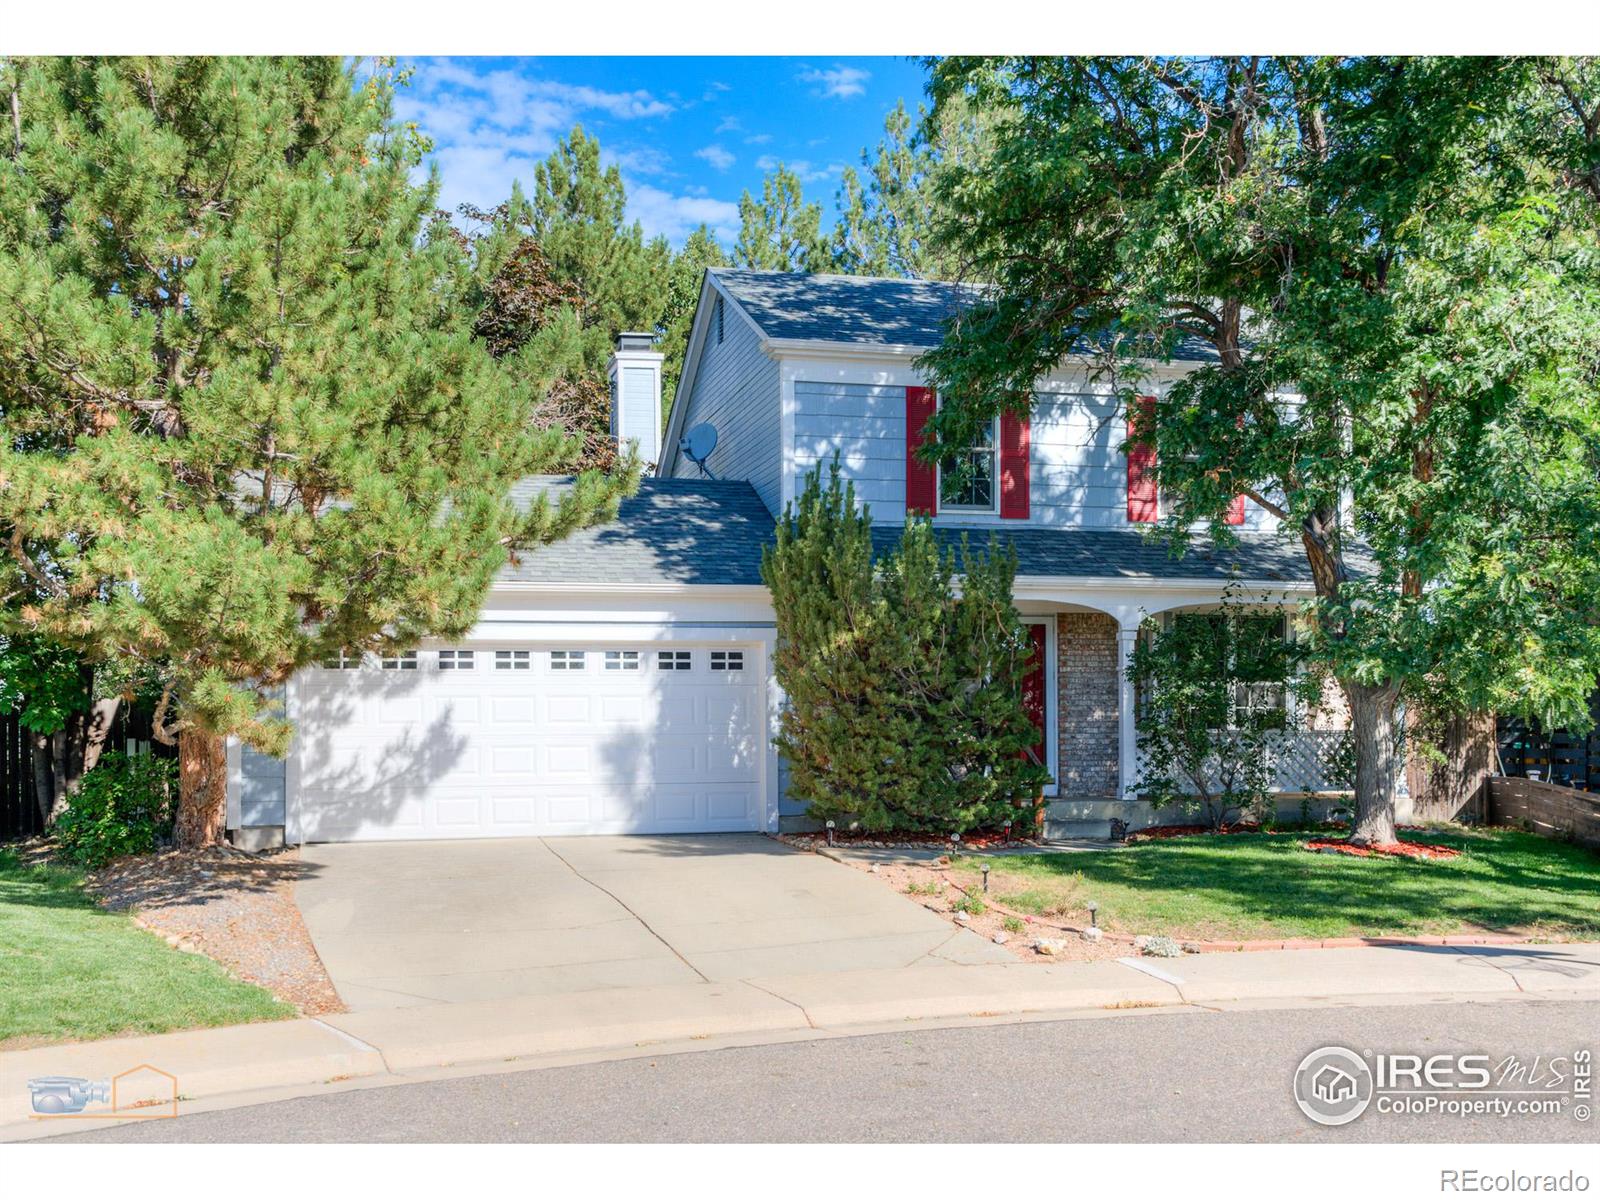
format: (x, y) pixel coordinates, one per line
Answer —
(247, 421)
(885, 226)
(781, 231)
(579, 218)
(904, 699)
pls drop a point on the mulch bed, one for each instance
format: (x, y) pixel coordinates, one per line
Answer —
(1426, 850)
(233, 907)
(976, 840)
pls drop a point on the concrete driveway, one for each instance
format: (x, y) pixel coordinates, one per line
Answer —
(402, 924)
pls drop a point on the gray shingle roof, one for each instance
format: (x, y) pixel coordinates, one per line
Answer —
(708, 531)
(1129, 554)
(866, 311)
(691, 531)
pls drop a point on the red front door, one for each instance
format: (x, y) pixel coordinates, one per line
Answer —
(1033, 686)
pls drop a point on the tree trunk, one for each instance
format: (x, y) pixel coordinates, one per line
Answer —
(44, 776)
(1443, 790)
(1372, 724)
(202, 789)
(75, 750)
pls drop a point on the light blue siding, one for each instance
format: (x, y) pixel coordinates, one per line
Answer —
(261, 789)
(736, 390)
(1078, 477)
(640, 416)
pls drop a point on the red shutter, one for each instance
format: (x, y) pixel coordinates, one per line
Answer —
(1013, 466)
(1143, 499)
(922, 480)
(1235, 512)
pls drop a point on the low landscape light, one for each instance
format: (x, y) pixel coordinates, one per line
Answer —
(830, 833)
(1093, 908)
(1008, 831)
(985, 877)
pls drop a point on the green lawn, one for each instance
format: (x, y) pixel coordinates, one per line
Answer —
(1246, 886)
(70, 970)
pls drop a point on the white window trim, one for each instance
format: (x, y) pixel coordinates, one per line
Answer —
(993, 507)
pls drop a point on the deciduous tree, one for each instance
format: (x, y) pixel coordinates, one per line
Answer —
(1396, 274)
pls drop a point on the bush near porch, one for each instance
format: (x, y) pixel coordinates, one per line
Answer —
(1252, 886)
(904, 708)
(70, 970)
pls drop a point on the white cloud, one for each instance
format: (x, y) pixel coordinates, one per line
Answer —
(729, 124)
(838, 83)
(758, 139)
(640, 160)
(491, 127)
(719, 158)
(807, 171)
(661, 212)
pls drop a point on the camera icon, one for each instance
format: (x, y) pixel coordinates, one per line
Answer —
(53, 1094)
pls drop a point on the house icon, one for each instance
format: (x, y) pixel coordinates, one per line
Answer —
(1332, 1085)
(144, 1091)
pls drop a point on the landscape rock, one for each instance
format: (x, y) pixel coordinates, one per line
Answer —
(1051, 947)
(1000, 939)
(1092, 934)
(1161, 946)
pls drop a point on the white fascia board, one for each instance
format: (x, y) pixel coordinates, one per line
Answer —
(1073, 372)
(1035, 583)
(713, 591)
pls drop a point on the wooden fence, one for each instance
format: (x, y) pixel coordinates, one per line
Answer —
(19, 815)
(1558, 812)
(1556, 755)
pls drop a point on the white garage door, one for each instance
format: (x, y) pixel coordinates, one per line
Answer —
(511, 741)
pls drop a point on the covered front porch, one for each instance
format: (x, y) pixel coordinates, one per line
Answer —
(1088, 628)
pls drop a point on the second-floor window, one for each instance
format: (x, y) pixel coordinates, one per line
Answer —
(967, 479)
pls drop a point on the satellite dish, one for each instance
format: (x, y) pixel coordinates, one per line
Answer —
(698, 444)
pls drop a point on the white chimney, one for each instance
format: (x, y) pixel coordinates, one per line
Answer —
(636, 395)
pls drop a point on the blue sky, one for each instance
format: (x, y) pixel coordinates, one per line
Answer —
(689, 133)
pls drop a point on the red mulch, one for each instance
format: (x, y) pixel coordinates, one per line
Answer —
(1385, 849)
(975, 840)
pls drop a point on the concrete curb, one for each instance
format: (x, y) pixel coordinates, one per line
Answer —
(445, 1034)
(235, 1066)
(206, 1063)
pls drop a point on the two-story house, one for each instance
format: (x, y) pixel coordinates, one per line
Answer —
(620, 681)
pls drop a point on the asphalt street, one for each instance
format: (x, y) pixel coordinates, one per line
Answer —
(1157, 1077)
